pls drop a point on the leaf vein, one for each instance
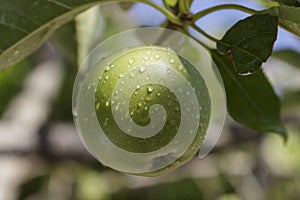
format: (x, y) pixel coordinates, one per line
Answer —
(15, 27)
(256, 35)
(59, 4)
(23, 16)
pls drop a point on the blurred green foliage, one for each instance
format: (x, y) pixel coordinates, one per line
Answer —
(66, 43)
(186, 189)
(11, 81)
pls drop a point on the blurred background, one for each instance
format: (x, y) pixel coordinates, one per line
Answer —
(41, 156)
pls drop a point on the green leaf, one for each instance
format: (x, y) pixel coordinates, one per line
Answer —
(290, 56)
(171, 3)
(287, 2)
(251, 100)
(289, 17)
(184, 6)
(25, 25)
(249, 42)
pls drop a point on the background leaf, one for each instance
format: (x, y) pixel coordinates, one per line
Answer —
(183, 189)
(250, 42)
(289, 17)
(251, 100)
(287, 2)
(290, 56)
(291, 99)
(11, 81)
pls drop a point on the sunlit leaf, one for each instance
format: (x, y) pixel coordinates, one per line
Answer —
(25, 25)
(249, 42)
(171, 3)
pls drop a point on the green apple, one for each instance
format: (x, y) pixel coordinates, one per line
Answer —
(137, 80)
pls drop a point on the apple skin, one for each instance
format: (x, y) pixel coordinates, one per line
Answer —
(131, 63)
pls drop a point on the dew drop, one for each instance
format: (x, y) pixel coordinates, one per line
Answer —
(131, 60)
(106, 77)
(161, 81)
(75, 113)
(106, 121)
(157, 57)
(148, 98)
(180, 67)
(107, 68)
(150, 89)
(172, 61)
(132, 74)
(98, 106)
(137, 87)
(142, 69)
(245, 73)
(107, 103)
(121, 75)
(158, 94)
